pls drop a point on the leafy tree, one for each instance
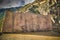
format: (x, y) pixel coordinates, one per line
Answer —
(34, 9)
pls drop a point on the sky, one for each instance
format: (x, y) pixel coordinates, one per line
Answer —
(14, 3)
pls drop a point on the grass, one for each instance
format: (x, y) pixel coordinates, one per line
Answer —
(31, 36)
(27, 37)
(1, 23)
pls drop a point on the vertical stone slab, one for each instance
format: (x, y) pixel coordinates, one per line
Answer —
(48, 22)
(38, 22)
(8, 22)
(43, 23)
(19, 22)
(34, 22)
(28, 21)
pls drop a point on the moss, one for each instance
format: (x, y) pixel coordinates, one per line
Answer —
(34, 9)
(1, 25)
(1, 21)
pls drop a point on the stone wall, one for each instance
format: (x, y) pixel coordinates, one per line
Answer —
(26, 22)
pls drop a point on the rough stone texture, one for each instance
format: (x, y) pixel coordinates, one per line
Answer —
(8, 23)
(26, 22)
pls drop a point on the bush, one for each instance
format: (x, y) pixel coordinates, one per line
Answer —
(34, 9)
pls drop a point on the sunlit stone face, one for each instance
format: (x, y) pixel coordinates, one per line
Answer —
(14, 3)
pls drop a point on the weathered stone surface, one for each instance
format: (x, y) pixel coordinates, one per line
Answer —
(26, 22)
(8, 22)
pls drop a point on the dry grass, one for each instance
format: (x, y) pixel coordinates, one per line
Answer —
(29, 36)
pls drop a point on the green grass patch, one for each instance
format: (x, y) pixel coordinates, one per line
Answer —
(1, 22)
